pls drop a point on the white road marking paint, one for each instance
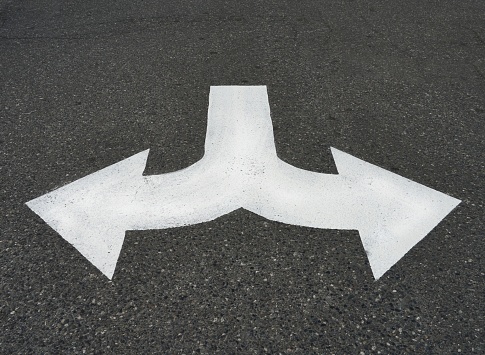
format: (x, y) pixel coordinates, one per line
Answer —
(240, 169)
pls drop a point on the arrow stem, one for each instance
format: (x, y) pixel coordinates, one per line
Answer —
(239, 126)
(198, 194)
(295, 196)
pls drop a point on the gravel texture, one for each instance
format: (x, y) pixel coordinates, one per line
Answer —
(84, 84)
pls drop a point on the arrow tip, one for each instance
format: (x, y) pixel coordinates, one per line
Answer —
(84, 212)
(398, 212)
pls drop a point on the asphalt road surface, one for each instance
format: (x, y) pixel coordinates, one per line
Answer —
(85, 84)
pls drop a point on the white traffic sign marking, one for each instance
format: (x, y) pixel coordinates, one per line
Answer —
(240, 169)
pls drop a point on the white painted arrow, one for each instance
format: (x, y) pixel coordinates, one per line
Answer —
(240, 169)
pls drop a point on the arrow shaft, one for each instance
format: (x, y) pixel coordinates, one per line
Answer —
(194, 195)
(239, 127)
(295, 196)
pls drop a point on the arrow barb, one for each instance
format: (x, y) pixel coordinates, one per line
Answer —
(82, 211)
(400, 212)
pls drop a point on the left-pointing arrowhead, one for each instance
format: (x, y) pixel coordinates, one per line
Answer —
(86, 212)
(397, 212)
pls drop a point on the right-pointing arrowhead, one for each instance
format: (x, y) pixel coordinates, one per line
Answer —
(88, 212)
(397, 213)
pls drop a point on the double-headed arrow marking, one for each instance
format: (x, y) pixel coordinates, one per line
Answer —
(240, 169)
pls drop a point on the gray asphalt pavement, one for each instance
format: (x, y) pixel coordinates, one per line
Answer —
(85, 84)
